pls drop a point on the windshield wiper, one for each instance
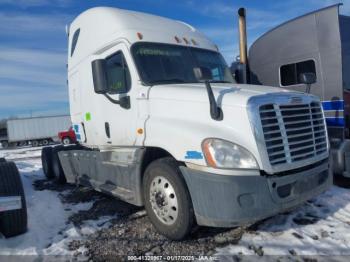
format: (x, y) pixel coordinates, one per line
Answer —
(167, 81)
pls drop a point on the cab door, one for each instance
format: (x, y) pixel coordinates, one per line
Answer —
(117, 123)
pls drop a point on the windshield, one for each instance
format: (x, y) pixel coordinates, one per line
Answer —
(169, 64)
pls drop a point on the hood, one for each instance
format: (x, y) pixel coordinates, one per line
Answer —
(226, 94)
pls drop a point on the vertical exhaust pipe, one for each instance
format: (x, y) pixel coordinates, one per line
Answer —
(242, 35)
(243, 57)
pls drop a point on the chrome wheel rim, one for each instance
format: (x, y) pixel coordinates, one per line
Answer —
(163, 200)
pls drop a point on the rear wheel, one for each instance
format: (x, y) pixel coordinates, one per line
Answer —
(167, 200)
(66, 141)
(22, 143)
(57, 167)
(46, 161)
(13, 222)
(5, 144)
(45, 142)
(35, 143)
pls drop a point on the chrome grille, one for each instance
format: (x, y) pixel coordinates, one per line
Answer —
(293, 132)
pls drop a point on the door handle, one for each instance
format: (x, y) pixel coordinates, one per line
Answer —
(107, 130)
(82, 124)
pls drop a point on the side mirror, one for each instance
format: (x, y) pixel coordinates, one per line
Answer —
(203, 74)
(307, 78)
(99, 76)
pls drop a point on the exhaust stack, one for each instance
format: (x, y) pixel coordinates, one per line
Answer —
(242, 36)
(240, 68)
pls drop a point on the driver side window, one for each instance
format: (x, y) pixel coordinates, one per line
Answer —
(118, 75)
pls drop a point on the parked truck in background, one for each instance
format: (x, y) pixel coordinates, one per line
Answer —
(316, 43)
(67, 137)
(161, 123)
(33, 131)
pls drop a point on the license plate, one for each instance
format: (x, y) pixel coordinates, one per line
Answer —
(10, 203)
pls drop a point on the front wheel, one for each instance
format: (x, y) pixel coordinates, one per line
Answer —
(167, 200)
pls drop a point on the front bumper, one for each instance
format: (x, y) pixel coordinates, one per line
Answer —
(246, 196)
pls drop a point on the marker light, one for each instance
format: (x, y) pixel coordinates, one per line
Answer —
(178, 40)
(139, 35)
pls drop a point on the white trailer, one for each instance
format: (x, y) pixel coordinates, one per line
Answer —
(34, 130)
(162, 123)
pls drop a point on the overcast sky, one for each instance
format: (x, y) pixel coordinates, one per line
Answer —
(33, 42)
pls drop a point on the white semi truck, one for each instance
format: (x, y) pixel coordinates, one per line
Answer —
(162, 124)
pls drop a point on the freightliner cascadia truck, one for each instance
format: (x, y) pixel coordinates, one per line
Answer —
(161, 123)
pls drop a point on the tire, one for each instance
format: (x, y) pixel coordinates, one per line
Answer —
(35, 143)
(165, 191)
(66, 141)
(23, 143)
(57, 167)
(46, 161)
(45, 142)
(14, 222)
(5, 144)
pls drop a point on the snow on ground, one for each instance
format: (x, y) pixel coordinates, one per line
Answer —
(320, 227)
(48, 231)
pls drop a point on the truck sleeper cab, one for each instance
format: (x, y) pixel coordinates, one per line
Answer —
(144, 100)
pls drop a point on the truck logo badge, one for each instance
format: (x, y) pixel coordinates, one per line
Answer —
(193, 155)
(296, 100)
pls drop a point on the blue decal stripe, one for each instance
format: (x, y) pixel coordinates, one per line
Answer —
(335, 121)
(193, 155)
(333, 105)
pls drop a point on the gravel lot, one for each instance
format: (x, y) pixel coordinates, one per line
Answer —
(131, 229)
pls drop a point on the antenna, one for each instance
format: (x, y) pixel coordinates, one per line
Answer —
(67, 29)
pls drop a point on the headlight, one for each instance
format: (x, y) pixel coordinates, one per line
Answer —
(224, 154)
